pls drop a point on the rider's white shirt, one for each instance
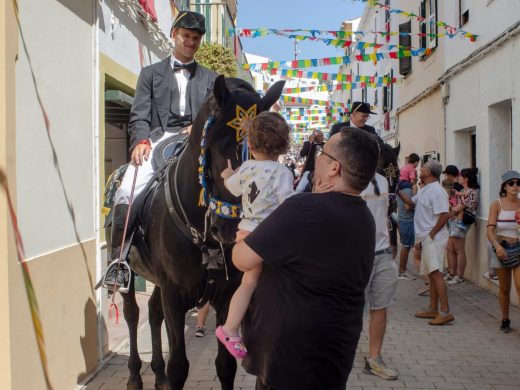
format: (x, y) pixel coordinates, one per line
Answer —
(263, 185)
(182, 78)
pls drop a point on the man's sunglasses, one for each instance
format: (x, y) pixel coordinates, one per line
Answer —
(512, 183)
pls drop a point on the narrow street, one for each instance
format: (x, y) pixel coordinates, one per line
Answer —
(469, 354)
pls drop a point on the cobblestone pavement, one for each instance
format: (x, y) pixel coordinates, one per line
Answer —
(468, 354)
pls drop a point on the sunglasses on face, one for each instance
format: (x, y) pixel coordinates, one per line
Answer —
(512, 183)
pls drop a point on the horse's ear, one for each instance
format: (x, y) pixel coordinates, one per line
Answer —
(220, 91)
(271, 96)
(397, 149)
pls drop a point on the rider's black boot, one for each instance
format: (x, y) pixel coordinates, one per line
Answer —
(118, 227)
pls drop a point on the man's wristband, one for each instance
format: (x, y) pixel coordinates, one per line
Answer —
(144, 142)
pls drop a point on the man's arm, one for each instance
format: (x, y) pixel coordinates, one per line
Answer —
(244, 257)
(141, 112)
(305, 149)
(405, 198)
(443, 219)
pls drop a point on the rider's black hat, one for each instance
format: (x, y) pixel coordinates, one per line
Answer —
(190, 20)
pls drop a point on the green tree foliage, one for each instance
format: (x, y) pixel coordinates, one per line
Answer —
(218, 58)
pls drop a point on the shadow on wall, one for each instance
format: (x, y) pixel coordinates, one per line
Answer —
(137, 30)
(88, 342)
(82, 9)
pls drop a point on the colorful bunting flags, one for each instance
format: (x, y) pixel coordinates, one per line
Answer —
(314, 62)
(292, 99)
(261, 32)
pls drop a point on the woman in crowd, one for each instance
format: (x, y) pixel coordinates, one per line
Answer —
(503, 234)
(459, 228)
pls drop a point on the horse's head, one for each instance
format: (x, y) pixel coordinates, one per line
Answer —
(223, 138)
(388, 167)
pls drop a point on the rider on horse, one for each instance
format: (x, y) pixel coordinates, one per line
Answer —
(168, 96)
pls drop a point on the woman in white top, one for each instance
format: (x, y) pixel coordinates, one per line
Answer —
(503, 234)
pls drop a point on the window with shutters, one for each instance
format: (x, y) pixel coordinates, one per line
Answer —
(376, 90)
(405, 41)
(428, 24)
(387, 21)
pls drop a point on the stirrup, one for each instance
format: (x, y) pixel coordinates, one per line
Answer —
(121, 282)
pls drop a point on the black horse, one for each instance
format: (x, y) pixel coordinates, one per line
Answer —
(192, 219)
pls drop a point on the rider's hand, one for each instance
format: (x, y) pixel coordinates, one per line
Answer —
(186, 130)
(228, 171)
(141, 153)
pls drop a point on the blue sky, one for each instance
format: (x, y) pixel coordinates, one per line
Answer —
(287, 14)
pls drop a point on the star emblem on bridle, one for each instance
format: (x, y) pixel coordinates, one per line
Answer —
(390, 171)
(241, 114)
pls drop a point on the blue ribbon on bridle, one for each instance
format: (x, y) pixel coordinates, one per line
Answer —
(217, 206)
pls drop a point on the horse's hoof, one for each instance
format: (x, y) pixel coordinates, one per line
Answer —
(162, 386)
(134, 386)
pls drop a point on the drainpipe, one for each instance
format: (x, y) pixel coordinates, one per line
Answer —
(445, 92)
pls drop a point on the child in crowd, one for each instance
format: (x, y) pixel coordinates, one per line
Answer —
(408, 173)
(264, 184)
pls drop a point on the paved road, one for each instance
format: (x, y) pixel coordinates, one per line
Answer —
(469, 354)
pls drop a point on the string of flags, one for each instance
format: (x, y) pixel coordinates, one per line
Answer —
(341, 35)
(292, 99)
(308, 63)
(298, 73)
(450, 30)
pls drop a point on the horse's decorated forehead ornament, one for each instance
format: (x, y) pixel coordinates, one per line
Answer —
(241, 115)
(391, 170)
(217, 206)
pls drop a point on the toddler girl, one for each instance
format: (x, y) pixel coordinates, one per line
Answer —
(264, 184)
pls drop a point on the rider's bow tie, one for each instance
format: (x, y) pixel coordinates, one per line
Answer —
(189, 67)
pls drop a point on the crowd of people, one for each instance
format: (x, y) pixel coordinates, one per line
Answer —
(313, 242)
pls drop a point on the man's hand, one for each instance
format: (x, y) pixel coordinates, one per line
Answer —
(312, 137)
(141, 153)
(228, 172)
(320, 187)
(186, 130)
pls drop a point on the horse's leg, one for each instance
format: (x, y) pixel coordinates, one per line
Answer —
(174, 309)
(131, 313)
(155, 318)
(226, 365)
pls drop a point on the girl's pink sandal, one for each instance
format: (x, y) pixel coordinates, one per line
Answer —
(234, 344)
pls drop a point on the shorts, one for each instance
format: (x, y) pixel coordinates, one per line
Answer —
(382, 286)
(432, 258)
(456, 229)
(404, 184)
(406, 233)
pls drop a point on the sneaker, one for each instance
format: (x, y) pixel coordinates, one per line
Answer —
(200, 331)
(406, 276)
(456, 280)
(448, 277)
(378, 367)
(424, 290)
(505, 327)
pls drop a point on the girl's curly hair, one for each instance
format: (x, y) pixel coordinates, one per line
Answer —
(268, 133)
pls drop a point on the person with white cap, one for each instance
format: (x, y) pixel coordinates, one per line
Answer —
(503, 235)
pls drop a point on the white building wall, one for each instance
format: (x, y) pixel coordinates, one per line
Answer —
(60, 46)
(121, 38)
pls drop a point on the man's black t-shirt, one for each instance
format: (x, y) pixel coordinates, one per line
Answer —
(305, 317)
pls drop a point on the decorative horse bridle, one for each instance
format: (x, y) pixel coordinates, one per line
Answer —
(219, 207)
